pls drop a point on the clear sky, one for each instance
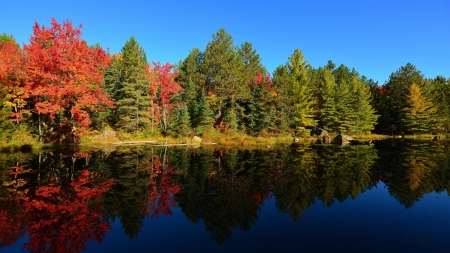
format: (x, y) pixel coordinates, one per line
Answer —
(376, 37)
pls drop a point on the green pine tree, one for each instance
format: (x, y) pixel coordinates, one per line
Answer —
(180, 122)
(329, 118)
(189, 96)
(204, 116)
(260, 107)
(300, 93)
(346, 115)
(223, 70)
(281, 84)
(131, 92)
(364, 114)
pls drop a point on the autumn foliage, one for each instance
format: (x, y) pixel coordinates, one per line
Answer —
(161, 188)
(62, 218)
(12, 77)
(65, 74)
(163, 87)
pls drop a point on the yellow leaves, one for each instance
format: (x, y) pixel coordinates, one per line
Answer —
(417, 171)
(416, 101)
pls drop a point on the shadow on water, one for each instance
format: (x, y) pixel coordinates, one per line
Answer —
(225, 189)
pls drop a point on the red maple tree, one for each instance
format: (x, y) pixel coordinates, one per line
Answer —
(163, 87)
(65, 74)
(12, 77)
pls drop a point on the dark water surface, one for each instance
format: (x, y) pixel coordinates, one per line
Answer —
(390, 197)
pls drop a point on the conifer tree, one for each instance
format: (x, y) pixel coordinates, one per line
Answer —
(222, 68)
(435, 92)
(364, 113)
(189, 70)
(300, 94)
(189, 96)
(417, 110)
(180, 123)
(343, 106)
(131, 93)
(251, 63)
(261, 105)
(329, 115)
(397, 87)
(281, 84)
(204, 118)
(231, 119)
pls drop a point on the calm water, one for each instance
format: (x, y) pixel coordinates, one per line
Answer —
(390, 197)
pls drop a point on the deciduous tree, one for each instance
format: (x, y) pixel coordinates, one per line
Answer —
(65, 76)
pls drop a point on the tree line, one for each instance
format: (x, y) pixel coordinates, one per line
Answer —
(59, 88)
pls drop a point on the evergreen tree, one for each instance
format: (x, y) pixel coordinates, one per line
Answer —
(281, 84)
(261, 106)
(204, 119)
(365, 116)
(189, 96)
(329, 119)
(180, 123)
(343, 103)
(397, 87)
(436, 93)
(300, 93)
(231, 119)
(131, 92)
(222, 68)
(189, 70)
(251, 62)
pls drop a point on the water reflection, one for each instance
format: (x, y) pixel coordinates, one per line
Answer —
(413, 169)
(66, 198)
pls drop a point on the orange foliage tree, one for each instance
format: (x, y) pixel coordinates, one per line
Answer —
(65, 76)
(12, 77)
(162, 88)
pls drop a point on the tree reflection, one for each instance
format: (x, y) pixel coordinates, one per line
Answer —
(144, 187)
(295, 187)
(62, 217)
(127, 199)
(420, 169)
(344, 172)
(225, 189)
(323, 172)
(66, 198)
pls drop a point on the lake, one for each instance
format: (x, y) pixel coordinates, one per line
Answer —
(393, 196)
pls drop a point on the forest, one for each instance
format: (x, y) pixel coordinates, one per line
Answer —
(59, 89)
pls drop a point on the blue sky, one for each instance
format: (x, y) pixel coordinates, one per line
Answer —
(376, 37)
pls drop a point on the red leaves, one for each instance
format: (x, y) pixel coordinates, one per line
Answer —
(382, 90)
(262, 81)
(63, 218)
(65, 73)
(161, 201)
(162, 79)
(12, 76)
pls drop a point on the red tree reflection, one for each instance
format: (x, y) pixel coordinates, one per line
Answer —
(12, 223)
(63, 217)
(161, 201)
